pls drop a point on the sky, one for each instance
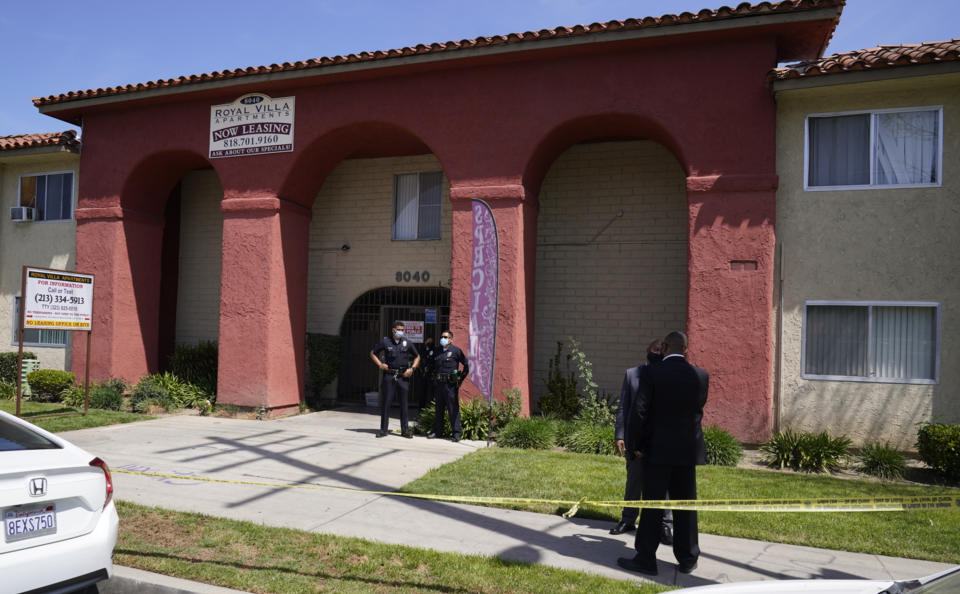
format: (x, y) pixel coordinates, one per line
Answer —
(56, 46)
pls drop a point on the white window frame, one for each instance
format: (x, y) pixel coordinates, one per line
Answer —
(393, 220)
(873, 142)
(73, 192)
(870, 304)
(16, 326)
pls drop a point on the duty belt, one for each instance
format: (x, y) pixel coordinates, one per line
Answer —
(395, 372)
(447, 377)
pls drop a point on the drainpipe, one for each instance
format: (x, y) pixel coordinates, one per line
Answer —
(778, 369)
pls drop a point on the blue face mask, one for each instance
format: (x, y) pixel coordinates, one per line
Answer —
(398, 333)
(444, 341)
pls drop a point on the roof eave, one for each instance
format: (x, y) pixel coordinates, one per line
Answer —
(74, 107)
(860, 76)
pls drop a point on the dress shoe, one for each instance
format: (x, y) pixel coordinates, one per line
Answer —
(407, 435)
(687, 568)
(622, 527)
(666, 536)
(381, 433)
(640, 567)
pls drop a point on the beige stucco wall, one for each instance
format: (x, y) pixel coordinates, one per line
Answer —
(611, 255)
(45, 244)
(201, 251)
(877, 244)
(355, 207)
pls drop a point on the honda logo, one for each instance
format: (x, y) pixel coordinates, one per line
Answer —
(38, 487)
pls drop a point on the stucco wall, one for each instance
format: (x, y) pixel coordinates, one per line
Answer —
(201, 251)
(44, 244)
(355, 207)
(611, 255)
(876, 244)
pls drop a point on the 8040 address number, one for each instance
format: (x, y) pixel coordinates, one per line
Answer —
(418, 276)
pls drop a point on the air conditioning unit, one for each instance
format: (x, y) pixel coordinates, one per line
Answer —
(21, 214)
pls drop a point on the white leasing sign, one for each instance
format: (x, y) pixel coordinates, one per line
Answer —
(254, 124)
(57, 300)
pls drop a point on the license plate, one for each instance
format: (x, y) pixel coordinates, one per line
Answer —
(24, 522)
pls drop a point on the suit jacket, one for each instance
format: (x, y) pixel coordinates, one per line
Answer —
(668, 411)
(628, 394)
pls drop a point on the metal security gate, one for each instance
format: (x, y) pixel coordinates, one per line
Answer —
(369, 319)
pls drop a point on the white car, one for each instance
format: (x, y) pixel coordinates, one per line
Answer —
(945, 582)
(59, 519)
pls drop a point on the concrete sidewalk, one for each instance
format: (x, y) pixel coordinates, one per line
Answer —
(338, 449)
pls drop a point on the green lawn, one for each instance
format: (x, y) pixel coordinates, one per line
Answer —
(502, 472)
(257, 558)
(94, 417)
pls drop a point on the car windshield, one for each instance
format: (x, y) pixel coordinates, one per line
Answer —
(14, 436)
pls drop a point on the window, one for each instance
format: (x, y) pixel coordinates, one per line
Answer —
(34, 337)
(871, 341)
(881, 148)
(416, 205)
(49, 194)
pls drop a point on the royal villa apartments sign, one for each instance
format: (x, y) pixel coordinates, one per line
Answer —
(254, 124)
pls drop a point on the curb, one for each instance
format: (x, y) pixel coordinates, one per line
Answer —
(127, 580)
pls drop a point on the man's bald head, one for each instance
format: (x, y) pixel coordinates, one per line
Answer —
(675, 343)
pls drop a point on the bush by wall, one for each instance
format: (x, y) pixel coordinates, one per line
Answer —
(535, 433)
(197, 364)
(477, 416)
(8, 390)
(808, 452)
(8, 366)
(424, 423)
(939, 447)
(881, 460)
(723, 449)
(587, 438)
(562, 399)
(47, 384)
(323, 364)
(167, 391)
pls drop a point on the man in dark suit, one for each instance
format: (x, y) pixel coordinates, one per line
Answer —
(669, 438)
(632, 490)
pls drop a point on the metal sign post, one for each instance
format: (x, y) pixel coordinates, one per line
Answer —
(55, 300)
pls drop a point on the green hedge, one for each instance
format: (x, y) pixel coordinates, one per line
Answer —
(8, 365)
(196, 364)
(723, 449)
(939, 447)
(536, 433)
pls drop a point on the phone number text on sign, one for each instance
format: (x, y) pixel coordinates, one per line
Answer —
(57, 300)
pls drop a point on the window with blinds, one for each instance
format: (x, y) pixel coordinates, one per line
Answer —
(871, 341)
(417, 199)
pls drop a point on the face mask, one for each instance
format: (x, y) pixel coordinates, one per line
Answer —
(398, 333)
(444, 341)
(654, 357)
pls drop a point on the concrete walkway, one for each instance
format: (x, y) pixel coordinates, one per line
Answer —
(338, 448)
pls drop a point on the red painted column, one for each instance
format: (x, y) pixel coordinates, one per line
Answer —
(515, 216)
(121, 248)
(263, 296)
(730, 310)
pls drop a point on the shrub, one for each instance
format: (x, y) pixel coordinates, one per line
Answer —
(587, 438)
(939, 447)
(8, 389)
(72, 396)
(723, 449)
(8, 366)
(47, 384)
(169, 392)
(475, 418)
(809, 452)
(106, 398)
(424, 424)
(561, 399)
(507, 408)
(536, 433)
(148, 393)
(116, 384)
(196, 364)
(597, 407)
(323, 363)
(563, 429)
(882, 461)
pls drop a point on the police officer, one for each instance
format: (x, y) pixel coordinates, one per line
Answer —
(425, 379)
(400, 358)
(446, 387)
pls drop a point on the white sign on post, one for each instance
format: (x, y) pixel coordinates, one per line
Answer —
(57, 300)
(254, 124)
(413, 331)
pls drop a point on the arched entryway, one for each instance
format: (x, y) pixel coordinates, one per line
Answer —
(611, 255)
(368, 320)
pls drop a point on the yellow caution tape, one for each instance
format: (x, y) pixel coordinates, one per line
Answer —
(842, 504)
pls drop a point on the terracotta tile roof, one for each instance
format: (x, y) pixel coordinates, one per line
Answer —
(884, 56)
(744, 9)
(21, 141)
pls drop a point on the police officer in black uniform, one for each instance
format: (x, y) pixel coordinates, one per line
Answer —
(400, 359)
(425, 379)
(446, 387)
